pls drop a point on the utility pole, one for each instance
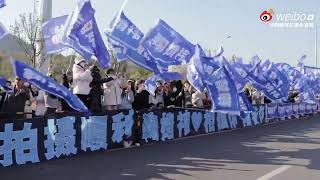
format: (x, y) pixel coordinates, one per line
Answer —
(44, 13)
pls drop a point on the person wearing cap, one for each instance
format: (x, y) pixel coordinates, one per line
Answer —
(81, 79)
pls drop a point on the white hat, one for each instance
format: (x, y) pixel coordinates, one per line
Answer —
(79, 59)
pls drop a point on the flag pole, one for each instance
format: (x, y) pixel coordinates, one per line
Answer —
(125, 2)
(316, 44)
(119, 13)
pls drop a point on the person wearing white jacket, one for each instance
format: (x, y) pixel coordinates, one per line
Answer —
(112, 92)
(81, 79)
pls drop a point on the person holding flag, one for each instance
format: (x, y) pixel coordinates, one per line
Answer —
(81, 79)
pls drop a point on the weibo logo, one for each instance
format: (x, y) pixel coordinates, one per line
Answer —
(266, 16)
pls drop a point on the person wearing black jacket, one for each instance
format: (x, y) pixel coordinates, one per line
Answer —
(96, 90)
(66, 83)
(141, 100)
(174, 95)
(15, 102)
(3, 96)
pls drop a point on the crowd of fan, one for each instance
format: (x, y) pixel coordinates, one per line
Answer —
(99, 94)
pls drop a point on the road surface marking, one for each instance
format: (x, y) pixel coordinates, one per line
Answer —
(274, 172)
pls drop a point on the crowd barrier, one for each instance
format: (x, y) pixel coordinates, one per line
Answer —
(62, 135)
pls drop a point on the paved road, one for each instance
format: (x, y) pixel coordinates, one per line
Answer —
(287, 150)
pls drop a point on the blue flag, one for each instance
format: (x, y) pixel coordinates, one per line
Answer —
(238, 74)
(125, 38)
(285, 68)
(220, 52)
(218, 57)
(264, 85)
(280, 80)
(139, 57)
(199, 68)
(151, 83)
(124, 31)
(119, 50)
(48, 85)
(3, 31)
(82, 29)
(53, 32)
(194, 77)
(265, 65)
(306, 89)
(3, 84)
(2, 3)
(223, 92)
(255, 60)
(245, 105)
(167, 45)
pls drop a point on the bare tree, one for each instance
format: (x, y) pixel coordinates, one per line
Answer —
(27, 31)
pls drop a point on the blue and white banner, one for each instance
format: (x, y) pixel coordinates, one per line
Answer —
(272, 111)
(3, 31)
(167, 45)
(82, 29)
(53, 34)
(309, 109)
(48, 85)
(295, 109)
(3, 84)
(282, 110)
(289, 110)
(302, 108)
(223, 92)
(2, 3)
(124, 31)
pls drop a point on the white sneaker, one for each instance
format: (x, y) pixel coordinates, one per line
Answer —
(126, 144)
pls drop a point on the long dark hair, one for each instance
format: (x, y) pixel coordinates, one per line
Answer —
(132, 89)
